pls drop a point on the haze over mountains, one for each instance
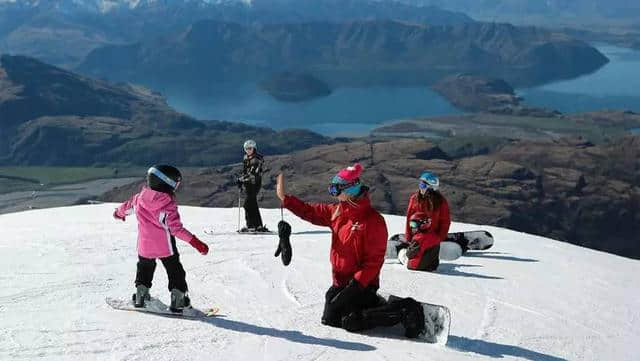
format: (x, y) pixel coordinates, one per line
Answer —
(354, 54)
(551, 12)
(62, 32)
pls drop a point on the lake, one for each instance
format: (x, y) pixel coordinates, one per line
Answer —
(356, 111)
(614, 86)
(345, 112)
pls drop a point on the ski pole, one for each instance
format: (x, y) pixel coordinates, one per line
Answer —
(239, 195)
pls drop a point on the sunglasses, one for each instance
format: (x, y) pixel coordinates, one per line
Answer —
(335, 188)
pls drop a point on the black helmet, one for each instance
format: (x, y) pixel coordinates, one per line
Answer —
(164, 178)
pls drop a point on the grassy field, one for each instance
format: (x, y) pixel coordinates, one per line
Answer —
(13, 179)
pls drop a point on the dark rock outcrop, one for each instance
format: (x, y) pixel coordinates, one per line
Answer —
(481, 94)
(477, 93)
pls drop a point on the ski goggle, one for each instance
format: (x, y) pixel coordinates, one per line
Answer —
(173, 184)
(424, 186)
(417, 224)
(336, 188)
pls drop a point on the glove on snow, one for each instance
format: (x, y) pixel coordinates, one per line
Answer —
(116, 216)
(413, 250)
(199, 245)
(284, 246)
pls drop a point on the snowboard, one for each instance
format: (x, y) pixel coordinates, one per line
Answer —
(475, 240)
(437, 321)
(158, 307)
(450, 249)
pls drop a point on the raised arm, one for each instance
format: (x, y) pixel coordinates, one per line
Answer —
(318, 214)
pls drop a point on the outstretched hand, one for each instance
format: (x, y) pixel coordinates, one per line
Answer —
(280, 186)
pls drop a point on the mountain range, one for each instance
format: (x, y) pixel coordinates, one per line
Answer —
(62, 32)
(90, 122)
(360, 53)
(549, 12)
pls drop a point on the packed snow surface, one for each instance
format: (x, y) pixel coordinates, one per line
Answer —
(526, 298)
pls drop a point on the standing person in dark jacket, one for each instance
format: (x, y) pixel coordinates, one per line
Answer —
(251, 180)
(427, 225)
(358, 245)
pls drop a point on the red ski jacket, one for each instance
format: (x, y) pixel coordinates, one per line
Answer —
(440, 218)
(358, 237)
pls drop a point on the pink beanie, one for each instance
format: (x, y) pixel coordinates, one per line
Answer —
(349, 174)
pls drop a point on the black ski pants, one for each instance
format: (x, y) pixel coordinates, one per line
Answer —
(251, 210)
(365, 311)
(175, 271)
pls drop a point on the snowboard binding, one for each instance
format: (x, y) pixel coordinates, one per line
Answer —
(179, 301)
(141, 296)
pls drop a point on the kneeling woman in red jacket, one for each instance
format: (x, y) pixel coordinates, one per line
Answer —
(358, 245)
(428, 211)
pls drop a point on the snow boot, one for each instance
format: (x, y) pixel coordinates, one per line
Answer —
(413, 318)
(179, 301)
(141, 295)
(262, 228)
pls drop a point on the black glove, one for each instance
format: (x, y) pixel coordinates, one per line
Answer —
(413, 250)
(347, 296)
(284, 246)
(241, 180)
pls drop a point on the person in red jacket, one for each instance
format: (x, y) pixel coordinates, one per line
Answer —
(358, 245)
(430, 209)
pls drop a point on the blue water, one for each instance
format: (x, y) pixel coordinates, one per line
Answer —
(635, 131)
(356, 111)
(345, 112)
(614, 86)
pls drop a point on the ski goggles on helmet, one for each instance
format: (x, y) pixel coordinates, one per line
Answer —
(336, 188)
(426, 186)
(173, 184)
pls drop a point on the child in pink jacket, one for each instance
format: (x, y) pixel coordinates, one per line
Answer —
(158, 225)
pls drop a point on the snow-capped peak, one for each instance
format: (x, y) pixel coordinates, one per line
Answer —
(105, 6)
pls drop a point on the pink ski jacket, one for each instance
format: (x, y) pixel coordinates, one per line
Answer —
(158, 220)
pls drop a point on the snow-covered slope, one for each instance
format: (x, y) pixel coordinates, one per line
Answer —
(526, 298)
